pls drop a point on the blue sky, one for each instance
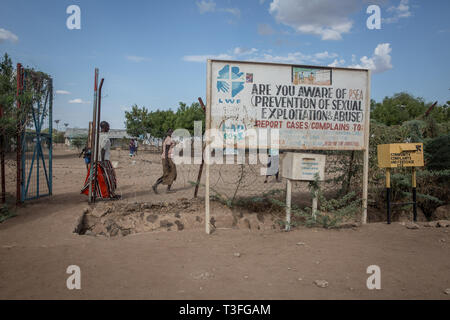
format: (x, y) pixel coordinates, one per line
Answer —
(153, 53)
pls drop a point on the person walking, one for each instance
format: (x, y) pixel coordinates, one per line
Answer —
(169, 168)
(132, 147)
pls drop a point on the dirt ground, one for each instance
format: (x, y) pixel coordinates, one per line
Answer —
(38, 245)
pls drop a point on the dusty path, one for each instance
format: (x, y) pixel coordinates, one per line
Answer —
(37, 246)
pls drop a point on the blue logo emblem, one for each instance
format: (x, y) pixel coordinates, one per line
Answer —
(227, 80)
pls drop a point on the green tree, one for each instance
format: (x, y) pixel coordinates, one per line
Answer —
(186, 116)
(137, 121)
(398, 108)
(79, 141)
(160, 121)
(34, 89)
(8, 122)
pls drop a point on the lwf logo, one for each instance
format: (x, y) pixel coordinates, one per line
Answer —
(230, 79)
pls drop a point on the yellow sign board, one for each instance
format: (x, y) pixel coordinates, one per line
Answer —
(400, 155)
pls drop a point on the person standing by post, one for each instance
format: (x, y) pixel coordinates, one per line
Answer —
(106, 177)
(169, 168)
(86, 152)
(273, 165)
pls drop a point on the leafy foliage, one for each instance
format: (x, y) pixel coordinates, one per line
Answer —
(79, 141)
(16, 119)
(437, 153)
(140, 121)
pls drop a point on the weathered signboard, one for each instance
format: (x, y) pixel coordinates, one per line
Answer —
(400, 155)
(321, 108)
(303, 166)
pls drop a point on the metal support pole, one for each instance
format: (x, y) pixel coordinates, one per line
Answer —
(388, 194)
(199, 176)
(314, 205)
(94, 115)
(50, 127)
(99, 99)
(288, 204)
(18, 138)
(366, 153)
(207, 154)
(2, 164)
(414, 194)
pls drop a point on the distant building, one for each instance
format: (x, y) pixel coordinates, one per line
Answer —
(72, 133)
(115, 135)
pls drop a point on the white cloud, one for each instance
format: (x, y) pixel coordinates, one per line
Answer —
(206, 6)
(203, 58)
(210, 6)
(325, 18)
(401, 11)
(265, 29)
(253, 54)
(62, 92)
(78, 101)
(234, 11)
(380, 60)
(294, 57)
(136, 58)
(325, 55)
(6, 35)
(244, 51)
(337, 63)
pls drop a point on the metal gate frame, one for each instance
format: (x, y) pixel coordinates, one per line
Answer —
(38, 113)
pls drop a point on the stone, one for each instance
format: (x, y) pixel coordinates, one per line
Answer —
(412, 225)
(321, 283)
(224, 221)
(145, 206)
(89, 233)
(447, 291)
(203, 275)
(244, 224)
(180, 226)
(260, 216)
(237, 254)
(100, 211)
(125, 223)
(442, 213)
(151, 218)
(301, 243)
(131, 207)
(443, 223)
(432, 224)
(165, 224)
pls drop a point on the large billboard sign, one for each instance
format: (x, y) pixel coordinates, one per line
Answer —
(322, 108)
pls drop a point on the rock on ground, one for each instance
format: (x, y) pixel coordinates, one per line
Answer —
(442, 213)
(321, 283)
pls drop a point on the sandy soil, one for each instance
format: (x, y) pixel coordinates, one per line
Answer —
(38, 245)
